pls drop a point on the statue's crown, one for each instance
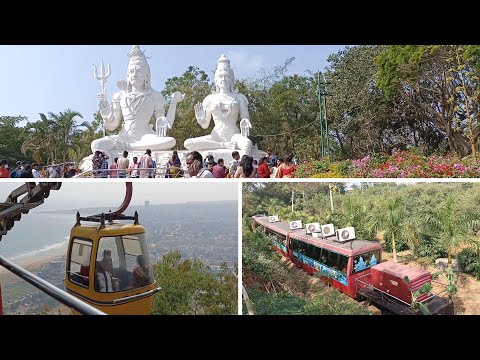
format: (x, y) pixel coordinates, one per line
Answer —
(223, 63)
(137, 53)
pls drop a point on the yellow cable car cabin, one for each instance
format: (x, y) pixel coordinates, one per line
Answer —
(108, 265)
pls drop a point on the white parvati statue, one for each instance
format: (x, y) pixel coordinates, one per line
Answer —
(136, 103)
(226, 106)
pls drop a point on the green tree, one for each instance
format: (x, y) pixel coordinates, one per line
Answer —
(360, 117)
(189, 288)
(40, 139)
(66, 131)
(278, 106)
(12, 138)
(225, 299)
(439, 84)
(82, 141)
(450, 229)
(395, 222)
(294, 108)
(195, 84)
(54, 137)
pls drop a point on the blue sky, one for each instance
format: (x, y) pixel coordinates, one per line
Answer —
(50, 78)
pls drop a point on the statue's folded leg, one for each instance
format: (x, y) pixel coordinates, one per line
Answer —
(154, 143)
(106, 145)
(245, 144)
(202, 143)
(103, 144)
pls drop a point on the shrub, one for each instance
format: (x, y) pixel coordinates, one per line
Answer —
(344, 167)
(430, 248)
(469, 259)
(273, 304)
(400, 164)
(333, 303)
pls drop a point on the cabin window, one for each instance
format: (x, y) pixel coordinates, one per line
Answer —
(79, 268)
(281, 239)
(316, 253)
(324, 256)
(127, 268)
(298, 245)
(332, 260)
(366, 260)
(302, 247)
(343, 263)
(310, 251)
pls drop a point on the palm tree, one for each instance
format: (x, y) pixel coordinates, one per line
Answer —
(82, 141)
(354, 213)
(66, 129)
(40, 139)
(54, 136)
(450, 229)
(394, 221)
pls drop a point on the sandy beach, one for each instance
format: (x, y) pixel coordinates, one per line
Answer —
(33, 261)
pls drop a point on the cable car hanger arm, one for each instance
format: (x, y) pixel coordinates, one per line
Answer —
(115, 215)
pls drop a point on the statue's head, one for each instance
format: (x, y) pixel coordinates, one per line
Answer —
(138, 72)
(224, 76)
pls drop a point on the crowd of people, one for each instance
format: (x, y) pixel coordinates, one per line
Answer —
(145, 167)
(24, 169)
(269, 166)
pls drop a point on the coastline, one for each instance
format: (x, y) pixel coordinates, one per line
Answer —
(35, 261)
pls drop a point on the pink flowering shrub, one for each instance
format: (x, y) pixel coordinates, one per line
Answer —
(401, 164)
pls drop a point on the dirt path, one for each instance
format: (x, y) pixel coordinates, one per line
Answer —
(467, 299)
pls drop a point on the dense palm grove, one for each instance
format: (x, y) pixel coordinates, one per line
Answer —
(429, 220)
(381, 98)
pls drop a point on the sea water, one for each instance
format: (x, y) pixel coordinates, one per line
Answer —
(37, 233)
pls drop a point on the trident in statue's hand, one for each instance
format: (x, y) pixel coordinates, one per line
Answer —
(103, 80)
(103, 77)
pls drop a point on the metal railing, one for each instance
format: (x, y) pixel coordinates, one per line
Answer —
(359, 284)
(51, 290)
(137, 296)
(159, 172)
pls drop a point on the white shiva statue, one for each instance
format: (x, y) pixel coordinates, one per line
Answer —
(225, 106)
(135, 104)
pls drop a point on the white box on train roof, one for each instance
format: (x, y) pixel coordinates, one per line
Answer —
(345, 234)
(328, 230)
(273, 218)
(313, 228)
(294, 225)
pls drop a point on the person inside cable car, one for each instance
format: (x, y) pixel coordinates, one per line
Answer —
(84, 274)
(103, 279)
(107, 261)
(140, 273)
(107, 264)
